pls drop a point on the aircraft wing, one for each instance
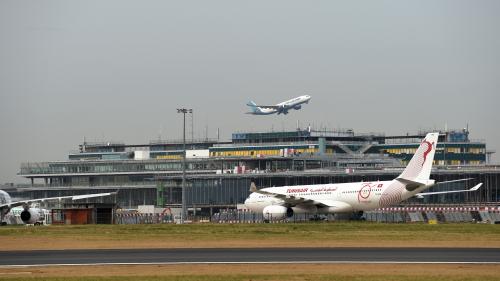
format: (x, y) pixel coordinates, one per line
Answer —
(297, 200)
(74, 197)
(474, 188)
(288, 199)
(270, 106)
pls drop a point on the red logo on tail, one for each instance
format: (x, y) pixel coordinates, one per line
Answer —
(429, 149)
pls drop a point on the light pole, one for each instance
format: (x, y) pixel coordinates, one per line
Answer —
(184, 111)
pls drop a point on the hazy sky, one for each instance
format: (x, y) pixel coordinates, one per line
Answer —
(117, 70)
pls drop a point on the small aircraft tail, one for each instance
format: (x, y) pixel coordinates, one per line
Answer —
(253, 106)
(419, 168)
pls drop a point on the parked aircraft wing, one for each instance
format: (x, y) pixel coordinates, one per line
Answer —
(288, 199)
(74, 197)
(334, 206)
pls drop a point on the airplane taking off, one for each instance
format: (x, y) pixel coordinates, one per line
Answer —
(32, 215)
(282, 107)
(278, 203)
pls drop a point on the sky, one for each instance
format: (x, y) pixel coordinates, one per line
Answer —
(116, 70)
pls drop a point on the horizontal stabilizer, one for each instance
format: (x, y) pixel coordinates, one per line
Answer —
(474, 188)
(460, 180)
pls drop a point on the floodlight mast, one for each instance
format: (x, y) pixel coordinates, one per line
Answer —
(183, 188)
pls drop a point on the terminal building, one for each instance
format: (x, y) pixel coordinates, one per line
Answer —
(219, 173)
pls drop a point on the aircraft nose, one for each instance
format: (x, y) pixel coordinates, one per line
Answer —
(247, 202)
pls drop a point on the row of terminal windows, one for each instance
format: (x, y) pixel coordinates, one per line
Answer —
(266, 152)
(450, 162)
(401, 150)
(106, 168)
(169, 157)
(473, 150)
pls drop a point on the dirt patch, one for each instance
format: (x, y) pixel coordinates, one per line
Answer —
(61, 243)
(249, 236)
(430, 270)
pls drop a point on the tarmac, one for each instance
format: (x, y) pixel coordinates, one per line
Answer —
(249, 256)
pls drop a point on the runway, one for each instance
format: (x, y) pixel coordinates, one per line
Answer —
(247, 255)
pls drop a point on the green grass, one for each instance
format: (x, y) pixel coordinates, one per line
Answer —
(339, 231)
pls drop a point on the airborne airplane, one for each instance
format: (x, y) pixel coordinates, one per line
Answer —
(32, 215)
(282, 107)
(278, 203)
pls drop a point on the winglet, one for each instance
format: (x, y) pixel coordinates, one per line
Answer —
(88, 196)
(253, 188)
(476, 187)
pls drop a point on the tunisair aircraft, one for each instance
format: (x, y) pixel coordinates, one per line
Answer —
(278, 203)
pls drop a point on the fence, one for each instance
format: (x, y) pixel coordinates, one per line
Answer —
(135, 218)
(385, 215)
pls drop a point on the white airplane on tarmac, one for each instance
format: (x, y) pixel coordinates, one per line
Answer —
(278, 203)
(32, 215)
(282, 107)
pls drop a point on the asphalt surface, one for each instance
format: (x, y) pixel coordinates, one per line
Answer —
(259, 255)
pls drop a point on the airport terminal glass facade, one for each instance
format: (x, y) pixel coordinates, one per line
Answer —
(219, 173)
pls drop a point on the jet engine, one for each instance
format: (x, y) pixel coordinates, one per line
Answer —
(276, 213)
(297, 107)
(31, 216)
(282, 109)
